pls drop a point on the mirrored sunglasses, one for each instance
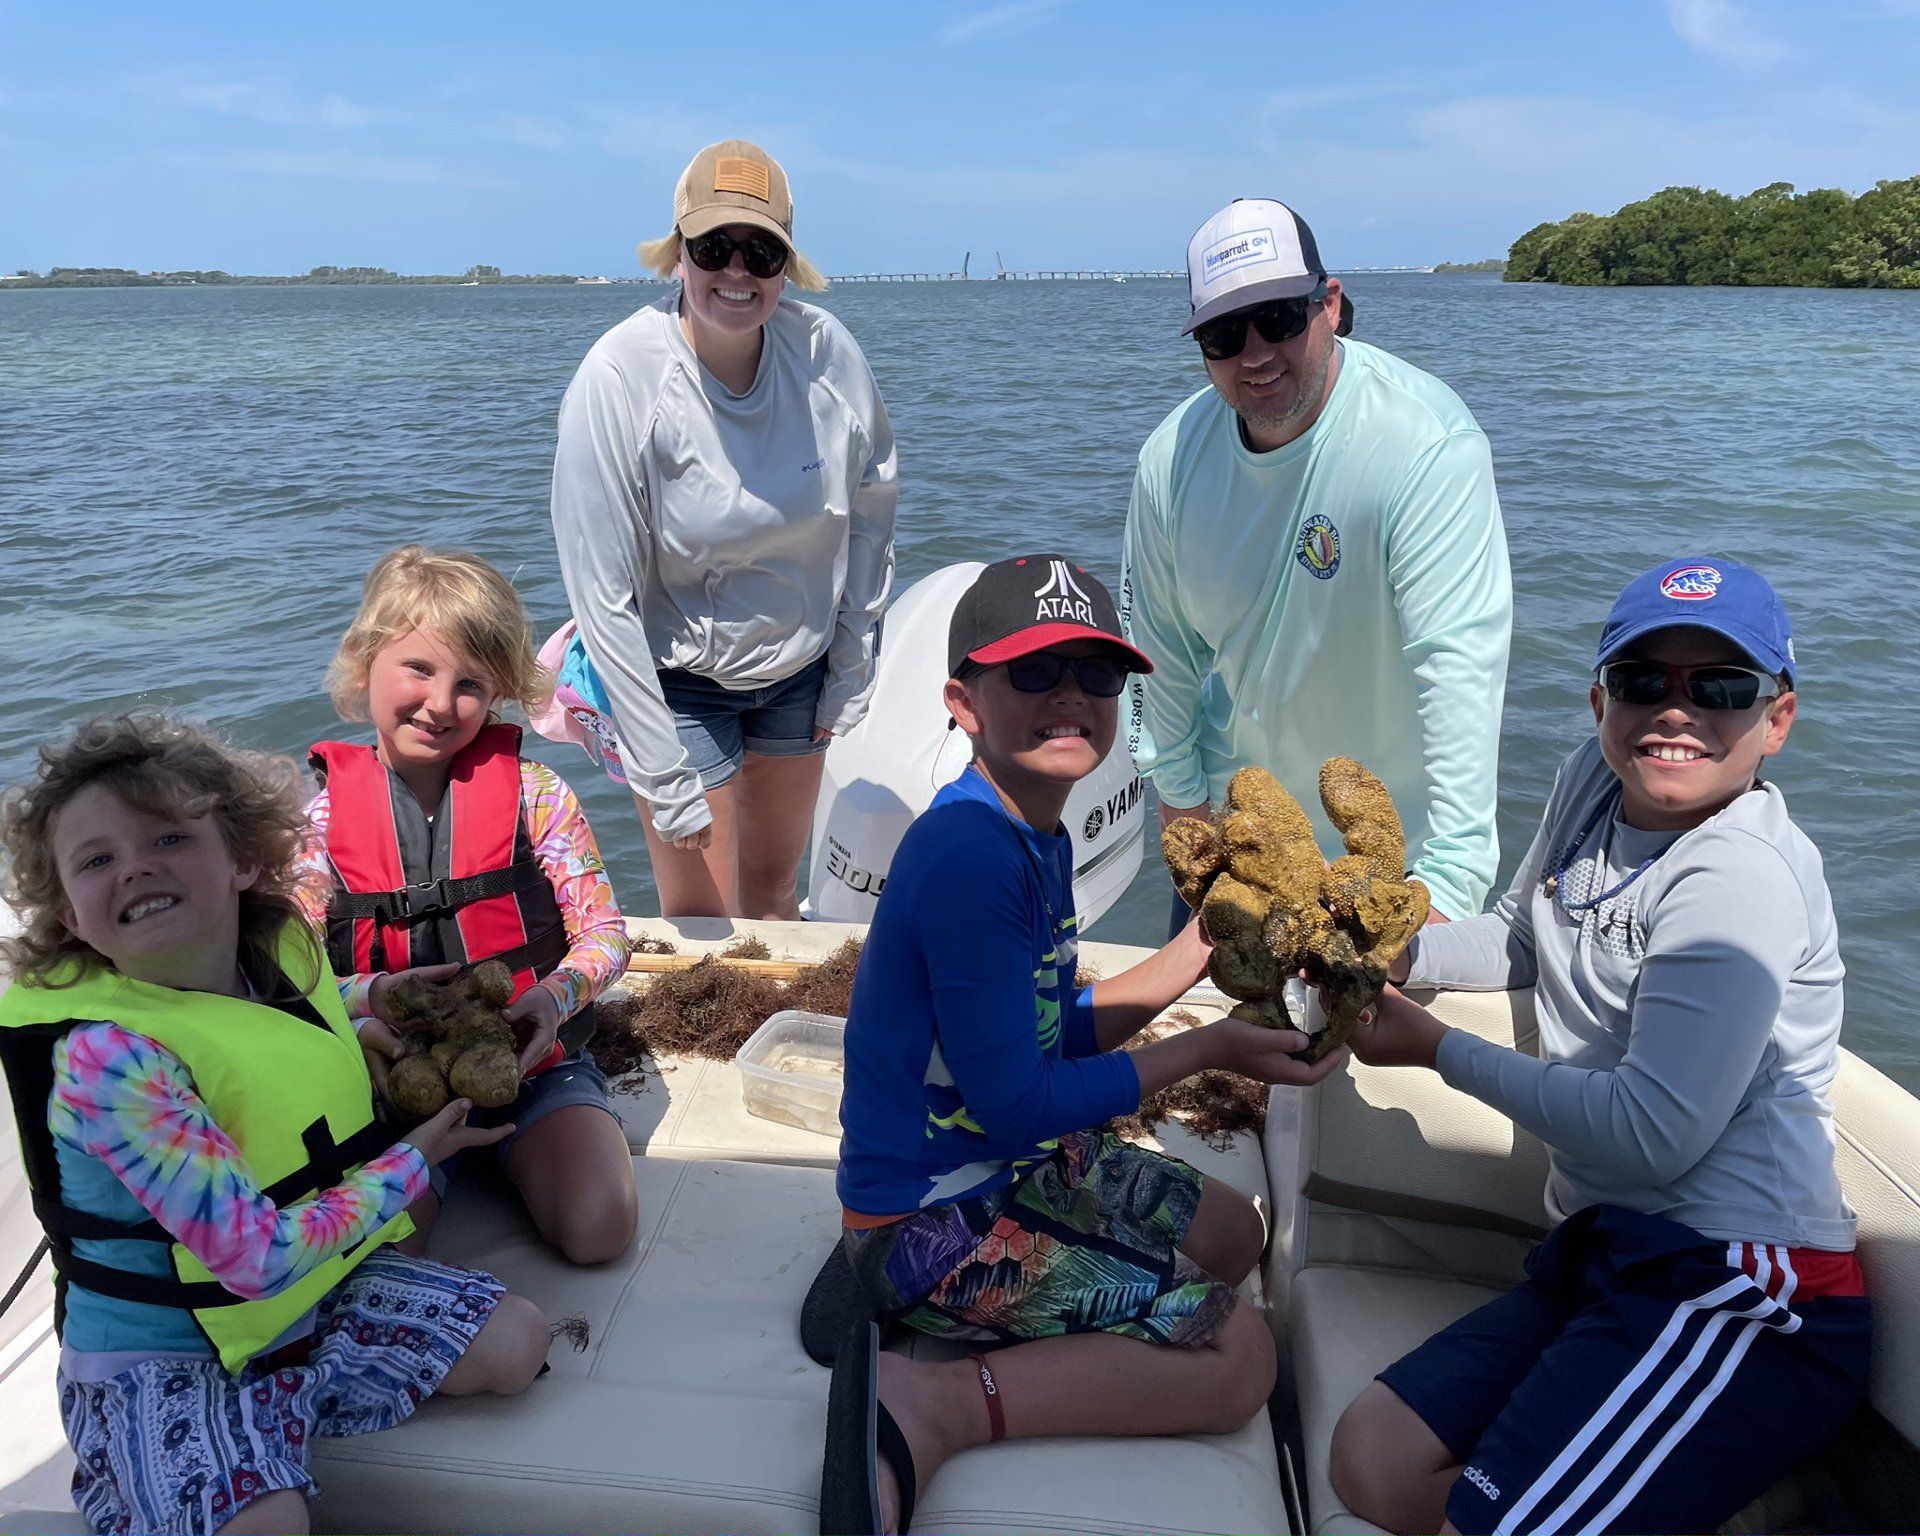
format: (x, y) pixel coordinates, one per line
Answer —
(1714, 687)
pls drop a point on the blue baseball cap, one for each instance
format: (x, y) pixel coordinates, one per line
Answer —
(1723, 596)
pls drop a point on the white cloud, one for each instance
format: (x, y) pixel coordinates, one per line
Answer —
(1720, 30)
(532, 131)
(1006, 20)
(667, 134)
(1462, 177)
(386, 170)
(263, 99)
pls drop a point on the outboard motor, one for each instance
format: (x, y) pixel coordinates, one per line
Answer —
(886, 770)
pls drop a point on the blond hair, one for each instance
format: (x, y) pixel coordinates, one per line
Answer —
(459, 596)
(162, 767)
(662, 256)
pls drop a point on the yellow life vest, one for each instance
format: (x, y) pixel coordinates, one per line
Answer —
(287, 1083)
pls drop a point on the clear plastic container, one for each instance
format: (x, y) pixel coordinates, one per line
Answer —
(792, 1068)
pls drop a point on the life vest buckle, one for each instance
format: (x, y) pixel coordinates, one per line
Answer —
(421, 899)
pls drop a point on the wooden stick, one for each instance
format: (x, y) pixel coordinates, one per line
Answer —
(776, 970)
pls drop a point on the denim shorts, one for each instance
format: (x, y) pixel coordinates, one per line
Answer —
(719, 726)
(574, 1079)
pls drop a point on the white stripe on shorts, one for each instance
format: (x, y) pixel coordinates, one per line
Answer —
(1754, 1310)
(1748, 1333)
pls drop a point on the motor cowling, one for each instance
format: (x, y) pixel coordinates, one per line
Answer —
(886, 771)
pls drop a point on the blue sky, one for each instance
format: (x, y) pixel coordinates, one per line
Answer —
(424, 137)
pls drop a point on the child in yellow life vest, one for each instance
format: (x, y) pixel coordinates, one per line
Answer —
(438, 843)
(197, 1127)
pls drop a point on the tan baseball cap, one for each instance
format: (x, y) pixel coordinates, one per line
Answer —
(733, 182)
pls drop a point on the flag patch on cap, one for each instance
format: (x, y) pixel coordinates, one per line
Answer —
(747, 177)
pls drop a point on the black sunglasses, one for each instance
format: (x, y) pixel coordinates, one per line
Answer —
(764, 255)
(1277, 320)
(1100, 676)
(1714, 687)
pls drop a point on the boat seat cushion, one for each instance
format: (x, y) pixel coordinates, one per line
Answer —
(693, 1408)
(1350, 1323)
(1346, 1325)
(1380, 1167)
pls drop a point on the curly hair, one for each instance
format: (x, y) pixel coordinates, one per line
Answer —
(459, 596)
(162, 767)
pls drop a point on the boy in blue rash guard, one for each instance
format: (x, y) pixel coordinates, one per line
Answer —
(1696, 1319)
(979, 1204)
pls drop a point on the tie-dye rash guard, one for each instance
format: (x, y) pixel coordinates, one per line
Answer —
(564, 848)
(121, 1098)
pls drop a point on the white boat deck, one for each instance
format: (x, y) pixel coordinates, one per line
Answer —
(1396, 1205)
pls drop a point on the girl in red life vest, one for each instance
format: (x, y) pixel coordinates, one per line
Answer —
(440, 845)
(197, 1128)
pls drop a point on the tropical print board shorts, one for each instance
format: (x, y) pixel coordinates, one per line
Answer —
(175, 1444)
(1084, 1241)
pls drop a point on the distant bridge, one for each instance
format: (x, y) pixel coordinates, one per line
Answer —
(1038, 275)
(898, 277)
(1065, 275)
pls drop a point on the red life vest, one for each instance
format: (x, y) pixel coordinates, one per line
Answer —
(463, 887)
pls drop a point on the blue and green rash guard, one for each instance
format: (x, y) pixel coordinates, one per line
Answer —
(968, 1048)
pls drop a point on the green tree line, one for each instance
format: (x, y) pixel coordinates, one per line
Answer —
(1772, 237)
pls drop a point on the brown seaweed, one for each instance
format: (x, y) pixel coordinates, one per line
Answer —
(1216, 1106)
(709, 1010)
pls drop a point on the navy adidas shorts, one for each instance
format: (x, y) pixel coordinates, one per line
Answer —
(1643, 1378)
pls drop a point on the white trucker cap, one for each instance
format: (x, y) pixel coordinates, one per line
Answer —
(1252, 250)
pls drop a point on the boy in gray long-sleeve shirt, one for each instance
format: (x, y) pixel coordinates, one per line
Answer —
(1678, 933)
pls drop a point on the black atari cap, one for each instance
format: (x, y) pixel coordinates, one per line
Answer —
(1019, 606)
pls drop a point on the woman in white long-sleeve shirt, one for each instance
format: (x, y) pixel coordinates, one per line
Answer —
(723, 501)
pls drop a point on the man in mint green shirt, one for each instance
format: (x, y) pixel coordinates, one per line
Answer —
(1316, 563)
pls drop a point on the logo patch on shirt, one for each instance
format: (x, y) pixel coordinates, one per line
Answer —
(1319, 547)
(1691, 584)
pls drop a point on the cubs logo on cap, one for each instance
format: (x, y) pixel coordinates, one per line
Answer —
(1690, 584)
(1722, 596)
(1019, 606)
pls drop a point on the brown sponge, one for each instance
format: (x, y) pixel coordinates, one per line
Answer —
(1274, 907)
(457, 1043)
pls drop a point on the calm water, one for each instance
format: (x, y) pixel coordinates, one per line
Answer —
(194, 481)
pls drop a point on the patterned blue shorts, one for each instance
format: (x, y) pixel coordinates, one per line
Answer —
(1086, 1240)
(176, 1445)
